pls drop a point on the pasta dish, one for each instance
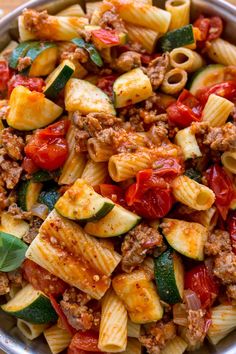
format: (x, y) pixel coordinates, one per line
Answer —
(118, 178)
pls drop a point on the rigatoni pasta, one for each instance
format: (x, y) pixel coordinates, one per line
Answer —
(95, 173)
(174, 81)
(146, 37)
(186, 59)
(188, 142)
(57, 338)
(217, 110)
(228, 159)
(180, 13)
(31, 330)
(223, 52)
(73, 10)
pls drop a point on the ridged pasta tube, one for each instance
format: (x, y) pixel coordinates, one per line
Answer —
(99, 152)
(30, 330)
(180, 13)
(58, 339)
(188, 143)
(223, 319)
(228, 159)
(174, 81)
(222, 52)
(217, 110)
(186, 59)
(95, 172)
(143, 15)
(207, 218)
(193, 194)
(133, 329)
(113, 327)
(73, 10)
(146, 37)
(175, 346)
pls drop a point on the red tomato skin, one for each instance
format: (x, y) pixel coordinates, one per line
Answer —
(221, 184)
(203, 284)
(216, 28)
(4, 75)
(47, 153)
(225, 89)
(32, 83)
(42, 280)
(190, 101)
(108, 37)
(29, 166)
(105, 83)
(203, 24)
(61, 315)
(181, 115)
(115, 193)
(87, 341)
(58, 129)
(232, 229)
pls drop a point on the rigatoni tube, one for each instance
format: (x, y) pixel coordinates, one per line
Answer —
(186, 59)
(222, 52)
(217, 110)
(113, 327)
(174, 81)
(146, 37)
(180, 13)
(95, 172)
(58, 339)
(193, 194)
(30, 330)
(228, 159)
(188, 143)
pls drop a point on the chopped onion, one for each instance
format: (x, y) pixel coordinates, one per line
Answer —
(180, 315)
(191, 300)
(40, 210)
(209, 263)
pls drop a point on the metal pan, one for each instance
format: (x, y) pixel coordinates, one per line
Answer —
(11, 340)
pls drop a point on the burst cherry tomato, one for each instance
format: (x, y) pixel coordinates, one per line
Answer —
(232, 229)
(32, 83)
(225, 89)
(106, 84)
(203, 284)
(87, 341)
(203, 24)
(210, 28)
(47, 148)
(186, 110)
(42, 280)
(115, 193)
(29, 166)
(221, 184)
(4, 75)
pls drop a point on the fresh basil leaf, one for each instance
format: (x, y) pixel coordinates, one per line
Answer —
(12, 252)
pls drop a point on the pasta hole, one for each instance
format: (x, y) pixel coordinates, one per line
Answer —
(175, 78)
(181, 58)
(26, 328)
(202, 198)
(177, 3)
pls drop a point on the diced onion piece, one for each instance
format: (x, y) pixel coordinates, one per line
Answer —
(40, 210)
(192, 301)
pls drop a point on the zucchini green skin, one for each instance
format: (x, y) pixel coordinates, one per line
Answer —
(36, 49)
(194, 174)
(93, 53)
(165, 277)
(49, 197)
(59, 83)
(19, 52)
(199, 78)
(25, 192)
(39, 312)
(42, 176)
(177, 38)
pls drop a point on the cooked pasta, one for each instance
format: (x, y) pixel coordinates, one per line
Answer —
(86, 258)
(223, 322)
(174, 81)
(118, 177)
(95, 173)
(217, 110)
(143, 15)
(186, 59)
(113, 327)
(31, 330)
(131, 289)
(192, 193)
(188, 142)
(146, 37)
(222, 52)
(228, 159)
(180, 13)
(58, 339)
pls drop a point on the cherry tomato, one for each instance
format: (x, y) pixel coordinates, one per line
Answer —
(181, 115)
(147, 58)
(32, 83)
(216, 28)
(87, 341)
(190, 101)
(232, 229)
(115, 193)
(225, 89)
(221, 184)
(47, 148)
(107, 37)
(29, 166)
(62, 316)
(203, 24)
(203, 284)
(58, 129)
(42, 280)
(105, 83)
(4, 75)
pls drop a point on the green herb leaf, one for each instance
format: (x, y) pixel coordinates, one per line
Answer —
(12, 252)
